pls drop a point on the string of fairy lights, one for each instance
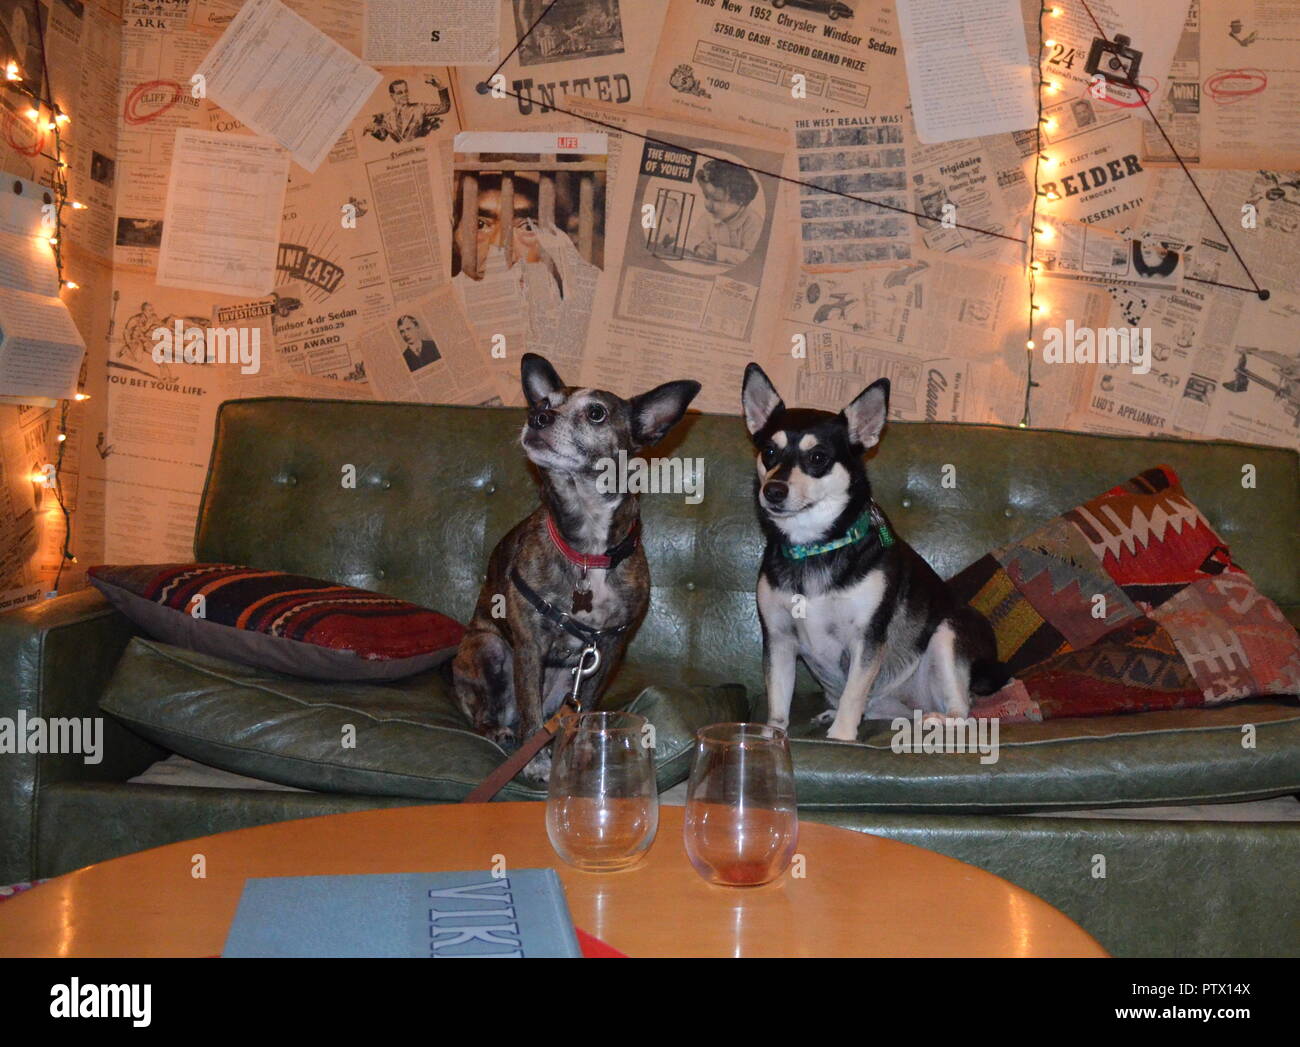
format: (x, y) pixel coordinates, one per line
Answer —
(47, 117)
(1036, 231)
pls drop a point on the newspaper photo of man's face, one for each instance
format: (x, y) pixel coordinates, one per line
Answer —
(420, 351)
(488, 225)
(565, 198)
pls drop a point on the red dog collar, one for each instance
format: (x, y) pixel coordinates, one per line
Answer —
(607, 561)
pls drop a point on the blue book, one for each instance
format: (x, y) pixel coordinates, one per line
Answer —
(437, 915)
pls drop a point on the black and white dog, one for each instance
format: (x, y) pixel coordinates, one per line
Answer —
(881, 632)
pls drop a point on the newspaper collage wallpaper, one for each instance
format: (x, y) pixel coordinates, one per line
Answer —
(395, 199)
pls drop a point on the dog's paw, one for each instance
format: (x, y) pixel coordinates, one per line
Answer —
(539, 768)
(845, 734)
(781, 724)
(503, 736)
(823, 719)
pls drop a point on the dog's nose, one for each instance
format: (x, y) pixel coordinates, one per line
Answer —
(775, 491)
(541, 419)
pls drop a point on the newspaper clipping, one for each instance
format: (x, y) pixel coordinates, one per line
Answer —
(761, 65)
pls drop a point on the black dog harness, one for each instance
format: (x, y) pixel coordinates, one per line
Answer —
(567, 622)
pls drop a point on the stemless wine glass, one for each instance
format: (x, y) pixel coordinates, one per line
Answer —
(603, 807)
(741, 822)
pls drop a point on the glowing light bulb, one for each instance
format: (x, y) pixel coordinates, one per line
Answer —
(1046, 232)
(62, 437)
(77, 205)
(1052, 86)
(12, 72)
(1050, 124)
(62, 118)
(81, 396)
(1029, 344)
(73, 285)
(33, 115)
(1049, 43)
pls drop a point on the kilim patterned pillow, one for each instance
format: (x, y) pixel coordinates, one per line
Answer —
(1128, 603)
(285, 622)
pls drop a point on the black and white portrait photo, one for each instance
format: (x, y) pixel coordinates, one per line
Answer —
(419, 351)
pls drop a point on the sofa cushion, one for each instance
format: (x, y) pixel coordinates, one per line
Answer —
(406, 738)
(284, 622)
(1179, 756)
(1129, 602)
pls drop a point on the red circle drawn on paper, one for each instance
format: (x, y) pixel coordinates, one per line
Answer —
(131, 109)
(19, 134)
(1144, 94)
(1232, 85)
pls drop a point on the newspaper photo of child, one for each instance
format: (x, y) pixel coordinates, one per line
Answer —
(736, 227)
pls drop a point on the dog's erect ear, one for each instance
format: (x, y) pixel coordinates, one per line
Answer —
(759, 398)
(657, 411)
(539, 377)
(865, 417)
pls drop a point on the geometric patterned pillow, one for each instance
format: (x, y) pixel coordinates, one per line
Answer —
(285, 622)
(1130, 602)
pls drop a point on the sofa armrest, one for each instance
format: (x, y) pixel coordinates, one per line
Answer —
(55, 659)
(1292, 613)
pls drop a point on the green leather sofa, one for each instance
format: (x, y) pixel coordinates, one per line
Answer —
(437, 486)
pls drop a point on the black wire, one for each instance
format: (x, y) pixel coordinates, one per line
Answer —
(551, 107)
(520, 42)
(1264, 295)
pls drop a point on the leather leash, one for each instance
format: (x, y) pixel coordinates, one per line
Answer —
(496, 781)
(569, 708)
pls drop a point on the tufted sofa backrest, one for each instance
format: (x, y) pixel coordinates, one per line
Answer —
(437, 486)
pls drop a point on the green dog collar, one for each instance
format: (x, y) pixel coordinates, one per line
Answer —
(869, 521)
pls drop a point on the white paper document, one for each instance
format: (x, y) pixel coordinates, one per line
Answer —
(968, 68)
(221, 229)
(285, 79)
(40, 347)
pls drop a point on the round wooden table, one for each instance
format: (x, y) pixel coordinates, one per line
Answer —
(861, 895)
